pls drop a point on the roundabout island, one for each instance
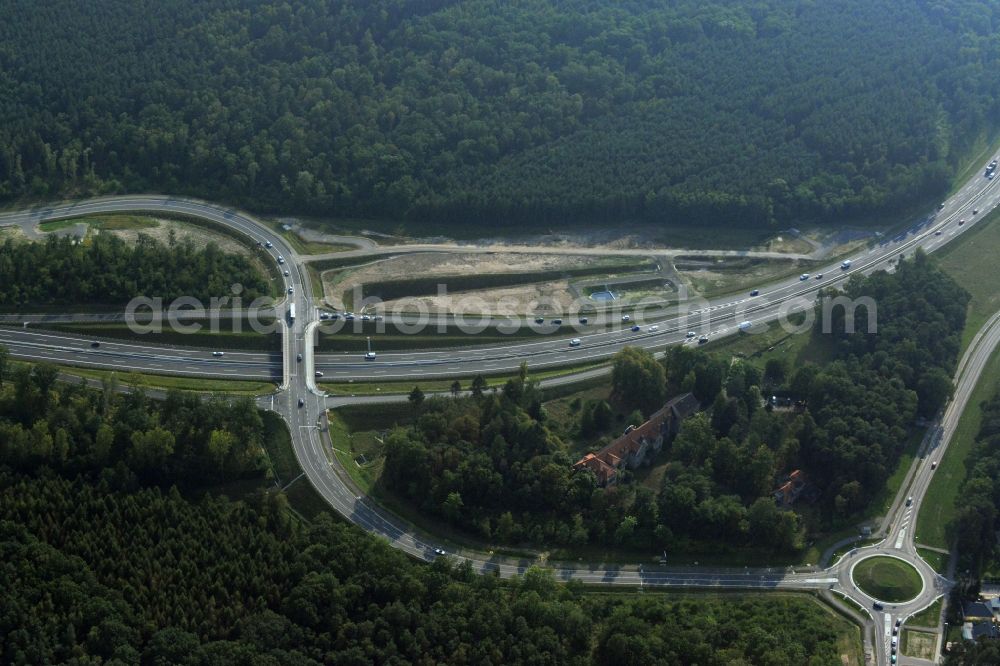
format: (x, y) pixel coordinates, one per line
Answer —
(887, 579)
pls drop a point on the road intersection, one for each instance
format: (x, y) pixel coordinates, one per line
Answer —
(302, 404)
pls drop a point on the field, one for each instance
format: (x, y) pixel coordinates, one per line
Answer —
(887, 579)
(919, 644)
(971, 261)
(938, 507)
(928, 617)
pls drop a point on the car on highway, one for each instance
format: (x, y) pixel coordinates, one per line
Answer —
(975, 211)
(298, 358)
(961, 222)
(557, 322)
(369, 356)
(366, 317)
(909, 501)
(819, 276)
(268, 245)
(301, 402)
(95, 345)
(755, 292)
(218, 353)
(291, 290)
(690, 334)
(877, 606)
(439, 551)
(934, 464)
(539, 320)
(626, 318)
(703, 339)
(803, 277)
(323, 315)
(349, 316)
(652, 328)
(575, 342)
(937, 233)
(287, 273)
(281, 259)
(319, 374)
(583, 320)
(636, 329)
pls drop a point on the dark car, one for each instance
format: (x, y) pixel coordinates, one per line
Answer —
(95, 345)
(755, 292)
(635, 329)
(539, 320)
(877, 606)
(583, 320)
(557, 322)
(301, 402)
(702, 340)
(298, 357)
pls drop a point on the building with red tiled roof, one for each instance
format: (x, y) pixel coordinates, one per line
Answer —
(789, 491)
(633, 447)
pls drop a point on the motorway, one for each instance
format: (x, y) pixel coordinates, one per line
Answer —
(303, 405)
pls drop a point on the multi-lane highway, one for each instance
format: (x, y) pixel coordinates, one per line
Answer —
(303, 405)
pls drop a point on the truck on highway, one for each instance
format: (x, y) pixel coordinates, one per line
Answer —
(291, 312)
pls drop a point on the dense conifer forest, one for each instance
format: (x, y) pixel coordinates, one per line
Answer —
(117, 547)
(695, 111)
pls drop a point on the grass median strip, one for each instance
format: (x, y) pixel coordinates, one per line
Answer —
(443, 385)
(234, 386)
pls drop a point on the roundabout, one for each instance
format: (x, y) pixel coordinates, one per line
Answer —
(887, 579)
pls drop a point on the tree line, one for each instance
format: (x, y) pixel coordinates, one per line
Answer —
(698, 112)
(118, 547)
(105, 270)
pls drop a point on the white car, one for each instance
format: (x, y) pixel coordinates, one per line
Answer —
(281, 259)
(652, 328)
(803, 277)
(575, 342)
(369, 356)
(218, 353)
(287, 273)
(691, 334)
(626, 318)
(268, 244)
(319, 374)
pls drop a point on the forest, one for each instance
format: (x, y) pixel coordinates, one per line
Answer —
(752, 113)
(116, 545)
(105, 270)
(491, 465)
(976, 519)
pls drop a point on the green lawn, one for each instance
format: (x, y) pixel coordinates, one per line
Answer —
(927, 617)
(938, 507)
(938, 561)
(887, 579)
(970, 261)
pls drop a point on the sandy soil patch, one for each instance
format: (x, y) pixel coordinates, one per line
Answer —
(13, 233)
(197, 235)
(542, 298)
